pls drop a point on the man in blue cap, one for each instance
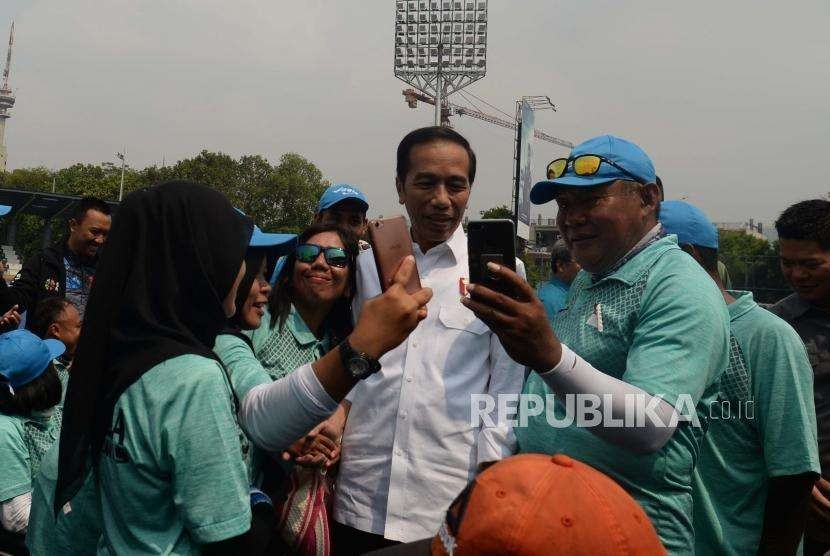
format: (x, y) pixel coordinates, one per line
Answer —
(629, 338)
(346, 206)
(563, 270)
(759, 458)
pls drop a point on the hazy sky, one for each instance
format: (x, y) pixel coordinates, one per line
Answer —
(730, 98)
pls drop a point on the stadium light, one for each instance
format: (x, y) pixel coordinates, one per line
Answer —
(440, 45)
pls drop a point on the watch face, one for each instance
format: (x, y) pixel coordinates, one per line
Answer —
(358, 366)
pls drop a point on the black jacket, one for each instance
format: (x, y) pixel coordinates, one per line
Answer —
(43, 276)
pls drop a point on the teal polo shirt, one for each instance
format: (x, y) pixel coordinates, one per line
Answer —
(553, 295)
(23, 442)
(172, 472)
(763, 425)
(665, 329)
(282, 349)
(76, 528)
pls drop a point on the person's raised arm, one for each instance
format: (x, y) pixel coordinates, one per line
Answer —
(275, 415)
(522, 325)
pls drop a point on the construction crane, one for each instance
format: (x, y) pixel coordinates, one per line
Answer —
(449, 109)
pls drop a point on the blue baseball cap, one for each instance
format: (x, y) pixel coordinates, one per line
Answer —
(624, 153)
(281, 243)
(24, 356)
(340, 192)
(688, 223)
(4, 210)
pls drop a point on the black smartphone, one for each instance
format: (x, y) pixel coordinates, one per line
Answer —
(491, 240)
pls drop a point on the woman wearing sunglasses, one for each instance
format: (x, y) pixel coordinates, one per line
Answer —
(309, 311)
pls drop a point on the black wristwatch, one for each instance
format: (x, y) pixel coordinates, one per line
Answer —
(357, 364)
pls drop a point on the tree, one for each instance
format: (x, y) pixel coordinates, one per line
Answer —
(753, 265)
(497, 212)
(278, 198)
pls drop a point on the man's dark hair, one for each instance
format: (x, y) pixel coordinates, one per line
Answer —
(89, 203)
(659, 183)
(559, 253)
(47, 312)
(807, 220)
(428, 135)
(41, 393)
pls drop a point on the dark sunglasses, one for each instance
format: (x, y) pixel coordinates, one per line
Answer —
(335, 256)
(585, 165)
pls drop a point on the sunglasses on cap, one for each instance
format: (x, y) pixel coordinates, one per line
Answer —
(335, 256)
(585, 165)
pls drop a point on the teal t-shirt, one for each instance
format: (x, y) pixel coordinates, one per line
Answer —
(658, 323)
(553, 295)
(763, 425)
(281, 351)
(23, 442)
(77, 527)
(245, 371)
(172, 472)
(16, 475)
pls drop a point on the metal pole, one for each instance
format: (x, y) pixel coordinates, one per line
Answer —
(517, 170)
(438, 87)
(122, 156)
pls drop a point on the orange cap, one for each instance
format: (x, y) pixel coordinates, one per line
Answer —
(534, 504)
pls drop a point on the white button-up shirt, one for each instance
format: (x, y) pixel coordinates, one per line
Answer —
(409, 447)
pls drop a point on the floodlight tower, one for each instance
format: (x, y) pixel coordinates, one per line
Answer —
(6, 101)
(440, 47)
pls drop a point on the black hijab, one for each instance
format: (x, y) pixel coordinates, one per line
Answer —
(171, 258)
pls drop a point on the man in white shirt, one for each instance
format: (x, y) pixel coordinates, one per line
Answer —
(408, 446)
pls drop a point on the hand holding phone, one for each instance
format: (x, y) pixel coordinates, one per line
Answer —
(391, 243)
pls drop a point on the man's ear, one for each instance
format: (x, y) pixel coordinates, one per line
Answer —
(72, 224)
(54, 331)
(399, 187)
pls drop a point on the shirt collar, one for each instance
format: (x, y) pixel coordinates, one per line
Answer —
(557, 282)
(299, 329)
(640, 257)
(456, 245)
(744, 303)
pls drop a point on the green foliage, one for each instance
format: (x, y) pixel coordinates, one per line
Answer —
(753, 265)
(497, 212)
(534, 273)
(278, 197)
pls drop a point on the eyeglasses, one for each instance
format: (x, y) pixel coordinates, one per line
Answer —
(585, 165)
(335, 256)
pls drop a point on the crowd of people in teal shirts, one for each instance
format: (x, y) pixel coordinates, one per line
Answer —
(183, 403)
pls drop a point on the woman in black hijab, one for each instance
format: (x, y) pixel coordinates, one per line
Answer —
(148, 403)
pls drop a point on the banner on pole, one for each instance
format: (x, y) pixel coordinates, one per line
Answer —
(525, 171)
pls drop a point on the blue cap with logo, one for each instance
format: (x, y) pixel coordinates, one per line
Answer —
(620, 151)
(688, 223)
(4, 210)
(340, 192)
(24, 356)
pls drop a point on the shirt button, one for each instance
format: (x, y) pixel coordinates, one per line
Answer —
(403, 415)
(399, 452)
(414, 343)
(409, 379)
